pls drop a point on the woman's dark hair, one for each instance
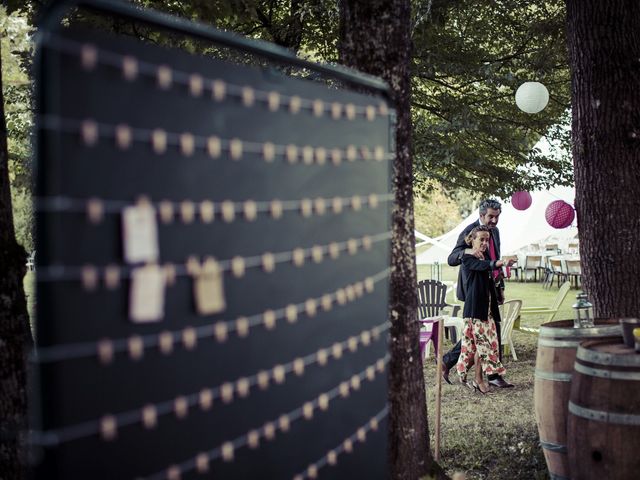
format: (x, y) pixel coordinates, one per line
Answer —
(472, 234)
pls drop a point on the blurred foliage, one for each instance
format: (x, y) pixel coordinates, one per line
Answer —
(16, 55)
(23, 217)
(466, 200)
(16, 58)
(435, 213)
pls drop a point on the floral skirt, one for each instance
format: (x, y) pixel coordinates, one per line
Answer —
(480, 336)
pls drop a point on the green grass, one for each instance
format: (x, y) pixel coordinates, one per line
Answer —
(494, 436)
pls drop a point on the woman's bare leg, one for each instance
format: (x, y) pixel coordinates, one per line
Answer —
(478, 374)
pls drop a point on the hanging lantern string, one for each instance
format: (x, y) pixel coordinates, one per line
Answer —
(77, 205)
(226, 451)
(346, 446)
(220, 329)
(149, 414)
(195, 84)
(53, 273)
(124, 136)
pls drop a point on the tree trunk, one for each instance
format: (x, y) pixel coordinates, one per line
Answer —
(15, 336)
(604, 51)
(375, 39)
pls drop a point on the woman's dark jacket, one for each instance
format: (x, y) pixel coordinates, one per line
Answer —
(480, 288)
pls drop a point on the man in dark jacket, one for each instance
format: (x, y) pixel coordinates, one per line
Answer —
(489, 214)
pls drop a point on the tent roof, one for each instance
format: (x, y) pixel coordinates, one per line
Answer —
(518, 228)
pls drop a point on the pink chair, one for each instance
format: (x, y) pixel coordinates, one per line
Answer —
(428, 333)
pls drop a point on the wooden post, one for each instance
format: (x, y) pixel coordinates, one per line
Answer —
(440, 327)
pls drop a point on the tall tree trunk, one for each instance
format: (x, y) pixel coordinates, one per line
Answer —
(15, 336)
(375, 38)
(604, 52)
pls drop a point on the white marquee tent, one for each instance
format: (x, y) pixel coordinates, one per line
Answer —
(518, 228)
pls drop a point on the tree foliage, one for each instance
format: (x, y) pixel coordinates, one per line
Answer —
(470, 57)
(435, 213)
(15, 335)
(16, 60)
(309, 28)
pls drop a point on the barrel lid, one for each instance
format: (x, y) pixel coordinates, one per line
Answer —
(608, 352)
(563, 329)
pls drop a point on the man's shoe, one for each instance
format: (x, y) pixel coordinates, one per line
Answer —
(445, 374)
(500, 383)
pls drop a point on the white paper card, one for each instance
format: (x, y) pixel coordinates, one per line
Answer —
(140, 233)
(208, 289)
(146, 296)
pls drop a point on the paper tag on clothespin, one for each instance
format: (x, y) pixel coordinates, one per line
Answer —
(146, 295)
(208, 288)
(140, 232)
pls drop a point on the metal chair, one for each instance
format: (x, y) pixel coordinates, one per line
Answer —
(531, 264)
(574, 271)
(555, 269)
(551, 247)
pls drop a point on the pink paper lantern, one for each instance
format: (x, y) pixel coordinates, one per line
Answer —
(521, 200)
(559, 214)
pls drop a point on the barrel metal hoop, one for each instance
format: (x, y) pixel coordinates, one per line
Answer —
(606, 358)
(553, 376)
(606, 417)
(553, 447)
(548, 342)
(613, 374)
(553, 476)
(582, 333)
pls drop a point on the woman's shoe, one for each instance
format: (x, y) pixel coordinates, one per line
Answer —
(466, 384)
(477, 387)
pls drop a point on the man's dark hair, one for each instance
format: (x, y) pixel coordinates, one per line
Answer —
(489, 203)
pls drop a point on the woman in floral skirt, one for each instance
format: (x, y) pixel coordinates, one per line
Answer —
(480, 339)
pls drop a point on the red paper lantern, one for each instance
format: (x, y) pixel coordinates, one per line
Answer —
(559, 214)
(521, 200)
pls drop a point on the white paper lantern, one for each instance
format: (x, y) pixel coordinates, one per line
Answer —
(532, 97)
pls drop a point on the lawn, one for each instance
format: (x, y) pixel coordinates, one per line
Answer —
(494, 436)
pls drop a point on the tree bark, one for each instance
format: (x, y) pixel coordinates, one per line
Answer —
(15, 336)
(375, 39)
(604, 51)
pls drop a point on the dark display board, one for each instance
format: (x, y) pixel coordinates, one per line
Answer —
(212, 279)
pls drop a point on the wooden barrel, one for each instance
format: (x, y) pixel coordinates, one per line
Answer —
(603, 427)
(557, 345)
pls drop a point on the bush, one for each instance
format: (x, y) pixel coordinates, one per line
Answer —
(23, 217)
